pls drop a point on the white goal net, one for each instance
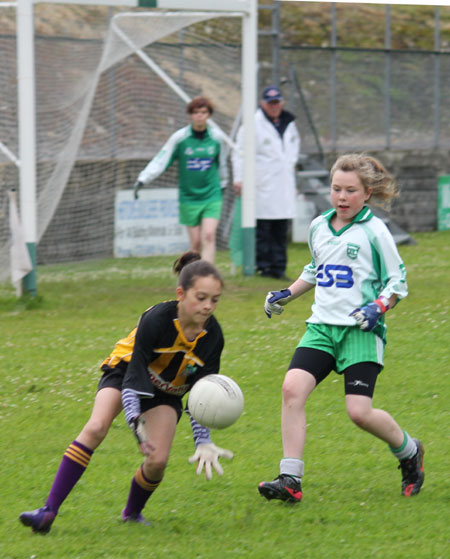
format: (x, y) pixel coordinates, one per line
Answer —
(106, 100)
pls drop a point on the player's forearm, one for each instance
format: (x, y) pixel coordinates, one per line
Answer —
(131, 405)
(299, 287)
(200, 433)
(390, 300)
(152, 171)
(161, 161)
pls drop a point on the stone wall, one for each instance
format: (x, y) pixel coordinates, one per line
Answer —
(83, 225)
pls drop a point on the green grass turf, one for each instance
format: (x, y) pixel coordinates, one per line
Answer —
(352, 508)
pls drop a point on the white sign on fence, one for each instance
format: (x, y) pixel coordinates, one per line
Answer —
(148, 226)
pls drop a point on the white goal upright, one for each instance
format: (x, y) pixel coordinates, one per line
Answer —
(105, 102)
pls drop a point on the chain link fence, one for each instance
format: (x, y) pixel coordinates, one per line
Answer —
(360, 99)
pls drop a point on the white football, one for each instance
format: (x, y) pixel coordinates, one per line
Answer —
(216, 401)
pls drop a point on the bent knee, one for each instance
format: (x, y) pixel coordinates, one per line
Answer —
(297, 385)
(154, 467)
(359, 416)
(290, 389)
(209, 238)
(96, 429)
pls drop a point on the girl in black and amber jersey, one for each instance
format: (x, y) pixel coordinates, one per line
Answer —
(175, 344)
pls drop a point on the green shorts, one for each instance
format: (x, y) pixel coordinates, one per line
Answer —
(192, 214)
(347, 344)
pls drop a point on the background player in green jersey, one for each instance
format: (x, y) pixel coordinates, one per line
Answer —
(202, 173)
(198, 292)
(358, 275)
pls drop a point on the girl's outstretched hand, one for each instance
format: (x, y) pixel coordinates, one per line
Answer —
(207, 455)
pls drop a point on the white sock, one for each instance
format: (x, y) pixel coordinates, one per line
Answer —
(407, 450)
(292, 467)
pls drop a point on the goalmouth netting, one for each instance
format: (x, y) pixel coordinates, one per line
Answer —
(105, 104)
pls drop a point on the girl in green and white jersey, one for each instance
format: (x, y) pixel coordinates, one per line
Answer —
(202, 173)
(357, 275)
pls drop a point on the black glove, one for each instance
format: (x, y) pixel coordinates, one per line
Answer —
(136, 187)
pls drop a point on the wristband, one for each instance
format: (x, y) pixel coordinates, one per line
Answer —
(383, 303)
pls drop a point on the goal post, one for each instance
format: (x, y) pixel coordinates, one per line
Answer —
(29, 203)
(27, 135)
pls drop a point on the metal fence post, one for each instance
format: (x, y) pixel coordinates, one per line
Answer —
(437, 76)
(387, 76)
(333, 87)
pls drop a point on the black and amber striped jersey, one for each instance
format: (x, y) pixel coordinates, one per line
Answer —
(121, 354)
(159, 355)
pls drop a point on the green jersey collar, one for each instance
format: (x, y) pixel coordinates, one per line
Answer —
(364, 215)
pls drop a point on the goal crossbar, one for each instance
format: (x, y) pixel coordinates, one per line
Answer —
(209, 5)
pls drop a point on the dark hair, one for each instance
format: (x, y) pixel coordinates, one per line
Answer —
(199, 103)
(189, 266)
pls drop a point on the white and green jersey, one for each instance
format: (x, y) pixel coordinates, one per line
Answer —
(202, 168)
(352, 267)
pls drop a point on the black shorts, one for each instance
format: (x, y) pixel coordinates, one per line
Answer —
(360, 378)
(162, 399)
(113, 378)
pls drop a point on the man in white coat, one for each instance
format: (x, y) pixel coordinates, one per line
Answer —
(277, 151)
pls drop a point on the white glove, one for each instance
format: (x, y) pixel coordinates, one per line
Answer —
(138, 427)
(207, 455)
(275, 300)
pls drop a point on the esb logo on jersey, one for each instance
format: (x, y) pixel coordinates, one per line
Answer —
(199, 163)
(334, 274)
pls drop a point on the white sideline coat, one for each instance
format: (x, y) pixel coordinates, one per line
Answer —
(276, 157)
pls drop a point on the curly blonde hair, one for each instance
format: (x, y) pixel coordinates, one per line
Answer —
(372, 174)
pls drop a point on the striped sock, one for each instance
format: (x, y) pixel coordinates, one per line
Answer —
(407, 450)
(140, 491)
(73, 464)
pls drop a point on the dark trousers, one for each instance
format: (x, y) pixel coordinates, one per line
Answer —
(271, 246)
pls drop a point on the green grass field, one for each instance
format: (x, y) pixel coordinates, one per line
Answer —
(352, 508)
